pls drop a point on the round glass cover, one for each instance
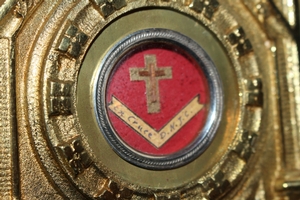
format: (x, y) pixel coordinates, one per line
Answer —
(158, 99)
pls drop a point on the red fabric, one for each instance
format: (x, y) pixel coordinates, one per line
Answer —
(187, 82)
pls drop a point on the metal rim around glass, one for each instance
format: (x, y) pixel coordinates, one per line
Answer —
(205, 136)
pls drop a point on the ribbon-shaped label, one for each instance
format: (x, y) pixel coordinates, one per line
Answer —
(157, 138)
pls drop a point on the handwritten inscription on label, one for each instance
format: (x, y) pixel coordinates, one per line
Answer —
(157, 138)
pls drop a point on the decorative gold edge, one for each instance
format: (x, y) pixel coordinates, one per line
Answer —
(288, 10)
(288, 67)
(286, 58)
(47, 9)
(288, 182)
(268, 14)
(10, 183)
(15, 153)
(8, 139)
(6, 7)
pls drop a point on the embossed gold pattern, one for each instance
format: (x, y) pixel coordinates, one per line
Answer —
(51, 146)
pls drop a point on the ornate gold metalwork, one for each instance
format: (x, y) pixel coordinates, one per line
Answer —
(51, 146)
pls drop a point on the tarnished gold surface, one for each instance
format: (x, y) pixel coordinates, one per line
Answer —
(51, 146)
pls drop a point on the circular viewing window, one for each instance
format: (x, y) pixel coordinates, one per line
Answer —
(158, 99)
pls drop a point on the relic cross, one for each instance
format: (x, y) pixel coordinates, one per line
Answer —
(151, 74)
